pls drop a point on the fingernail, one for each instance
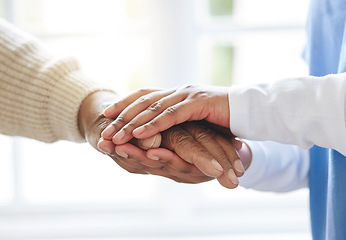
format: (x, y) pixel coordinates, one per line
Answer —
(154, 158)
(238, 166)
(108, 132)
(105, 149)
(122, 154)
(138, 131)
(216, 165)
(232, 177)
(119, 136)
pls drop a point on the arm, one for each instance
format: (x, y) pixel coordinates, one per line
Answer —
(302, 111)
(276, 167)
(41, 99)
(40, 96)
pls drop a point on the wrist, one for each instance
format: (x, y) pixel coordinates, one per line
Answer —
(91, 111)
(245, 155)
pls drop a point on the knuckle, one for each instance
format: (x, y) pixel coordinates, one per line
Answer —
(195, 155)
(153, 123)
(143, 99)
(127, 129)
(163, 168)
(200, 95)
(221, 156)
(142, 91)
(120, 119)
(155, 106)
(202, 136)
(132, 123)
(172, 110)
(175, 137)
(200, 133)
(166, 161)
(102, 123)
(186, 170)
(180, 139)
(188, 87)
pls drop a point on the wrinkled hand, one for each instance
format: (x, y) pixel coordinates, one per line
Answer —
(196, 144)
(171, 107)
(92, 123)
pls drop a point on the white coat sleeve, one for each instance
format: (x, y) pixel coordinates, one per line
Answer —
(301, 111)
(276, 167)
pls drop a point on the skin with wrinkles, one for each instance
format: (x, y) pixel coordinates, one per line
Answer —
(92, 122)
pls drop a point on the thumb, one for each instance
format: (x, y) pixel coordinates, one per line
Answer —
(152, 142)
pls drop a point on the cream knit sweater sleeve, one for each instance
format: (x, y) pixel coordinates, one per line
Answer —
(39, 96)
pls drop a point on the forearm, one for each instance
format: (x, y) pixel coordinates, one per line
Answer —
(276, 167)
(39, 96)
(302, 111)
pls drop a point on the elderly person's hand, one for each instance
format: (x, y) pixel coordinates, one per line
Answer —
(92, 123)
(194, 143)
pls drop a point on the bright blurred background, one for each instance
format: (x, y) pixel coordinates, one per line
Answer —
(69, 191)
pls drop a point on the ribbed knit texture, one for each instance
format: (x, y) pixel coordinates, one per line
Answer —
(39, 96)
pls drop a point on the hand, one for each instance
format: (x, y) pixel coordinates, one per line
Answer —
(206, 149)
(155, 111)
(196, 144)
(91, 124)
(144, 98)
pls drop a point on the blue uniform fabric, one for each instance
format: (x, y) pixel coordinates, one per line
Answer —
(326, 54)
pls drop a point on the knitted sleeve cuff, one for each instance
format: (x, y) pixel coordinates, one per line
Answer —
(66, 93)
(40, 97)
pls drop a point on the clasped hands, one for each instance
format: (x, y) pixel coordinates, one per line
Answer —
(182, 134)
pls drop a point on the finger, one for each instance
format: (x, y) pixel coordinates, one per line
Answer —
(225, 181)
(222, 151)
(237, 143)
(183, 111)
(225, 132)
(137, 159)
(115, 109)
(144, 114)
(126, 116)
(174, 161)
(238, 168)
(106, 146)
(135, 156)
(185, 146)
(152, 142)
(139, 169)
(127, 167)
(169, 172)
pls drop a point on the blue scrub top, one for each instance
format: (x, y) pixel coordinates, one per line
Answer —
(325, 54)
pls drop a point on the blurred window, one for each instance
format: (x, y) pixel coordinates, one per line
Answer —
(65, 190)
